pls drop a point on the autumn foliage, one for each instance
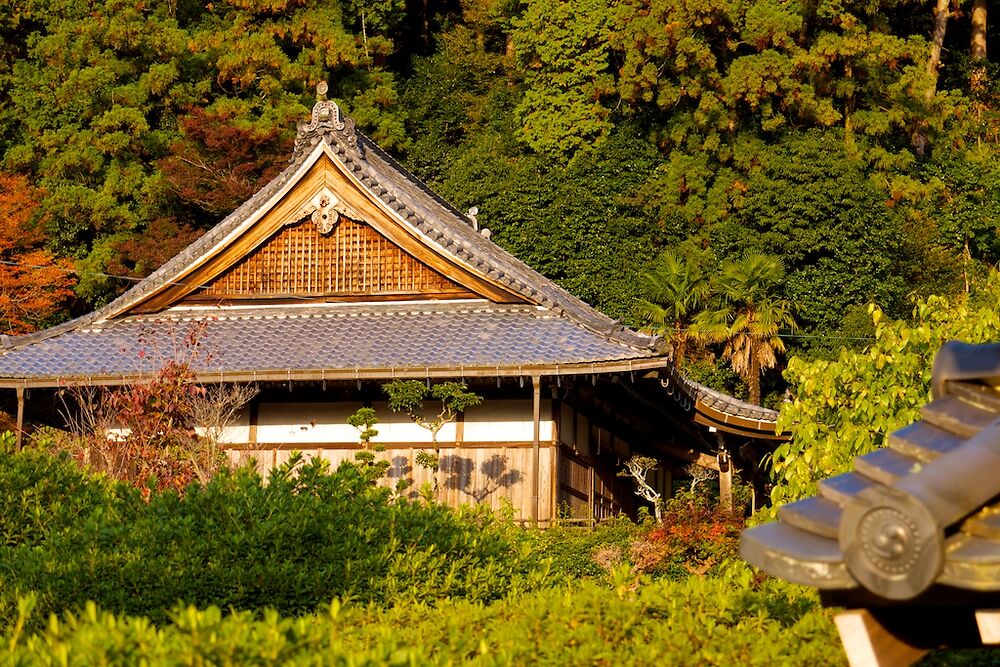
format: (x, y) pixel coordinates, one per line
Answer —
(218, 163)
(34, 285)
(695, 536)
(161, 431)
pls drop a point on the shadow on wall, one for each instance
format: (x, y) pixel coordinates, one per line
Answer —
(493, 475)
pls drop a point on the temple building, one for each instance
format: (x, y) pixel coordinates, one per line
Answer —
(346, 272)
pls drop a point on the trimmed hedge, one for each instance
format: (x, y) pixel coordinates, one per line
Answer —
(692, 622)
(291, 543)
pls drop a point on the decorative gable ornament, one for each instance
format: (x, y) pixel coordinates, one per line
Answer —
(325, 210)
(325, 217)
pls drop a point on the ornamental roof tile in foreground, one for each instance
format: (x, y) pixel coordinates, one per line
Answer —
(920, 513)
(331, 338)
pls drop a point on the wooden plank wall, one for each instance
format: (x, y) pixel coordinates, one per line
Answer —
(467, 475)
(493, 460)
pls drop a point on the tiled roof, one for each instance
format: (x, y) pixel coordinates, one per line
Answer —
(921, 512)
(438, 222)
(722, 411)
(331, 337)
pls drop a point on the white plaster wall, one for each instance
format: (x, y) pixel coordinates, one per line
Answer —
(507, 421)
(394, 427)
(291, 423)
(238, 431)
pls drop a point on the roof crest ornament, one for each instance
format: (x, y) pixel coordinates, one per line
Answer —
(325, 210)
(326, 122)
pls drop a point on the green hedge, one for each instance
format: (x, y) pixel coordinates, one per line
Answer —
(291, 543)
(699, 621)
(43, 496)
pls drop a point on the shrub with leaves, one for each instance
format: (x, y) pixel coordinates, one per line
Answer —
(726, 621)
(695, 537)
(43, 496)
(159, 432)
(845, 408)
(291, 542)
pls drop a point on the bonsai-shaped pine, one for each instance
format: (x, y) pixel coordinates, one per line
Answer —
(364, 420)
(408, 396)
(637, 467)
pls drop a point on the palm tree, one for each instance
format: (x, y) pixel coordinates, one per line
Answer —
(676, 289)
(747, 316)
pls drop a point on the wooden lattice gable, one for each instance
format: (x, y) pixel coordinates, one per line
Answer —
(323, 235)
(350, 261)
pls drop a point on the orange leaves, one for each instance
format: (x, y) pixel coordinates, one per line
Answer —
(34, 285)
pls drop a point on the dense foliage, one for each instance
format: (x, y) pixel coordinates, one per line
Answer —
(697, 621)
(841, 137)
(291, 542)
(321, 567)
(410, 583)
(846, 407)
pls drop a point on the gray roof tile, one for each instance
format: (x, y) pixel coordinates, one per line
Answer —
(321, 337)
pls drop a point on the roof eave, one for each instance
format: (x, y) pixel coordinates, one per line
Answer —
(332, 375)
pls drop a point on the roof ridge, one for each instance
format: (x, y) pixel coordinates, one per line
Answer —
(696, 390)
(530, 279)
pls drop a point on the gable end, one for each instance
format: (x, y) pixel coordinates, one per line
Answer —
(350, 261)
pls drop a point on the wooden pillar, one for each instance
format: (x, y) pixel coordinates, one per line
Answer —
(252, 420)
(20, 419)
(536, 416)
(555, 454)
(868, 644)
(725, 475)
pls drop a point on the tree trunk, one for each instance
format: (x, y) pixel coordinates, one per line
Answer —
(754, 376)
(941, 14)
(978, 46)
(942, 11)
(977, 50)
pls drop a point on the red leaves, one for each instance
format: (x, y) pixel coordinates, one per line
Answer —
(144, 432)
(694, 534)
(221, 162)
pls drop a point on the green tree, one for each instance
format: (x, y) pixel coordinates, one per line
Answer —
(748, 316)
(408, 396)
(843, 240)
(676, 290)
(100, 100)
(583, 224)
(564, 50)
(963, 206)
(364, 419)
(846, 407)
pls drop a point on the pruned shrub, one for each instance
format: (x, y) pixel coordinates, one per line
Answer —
(694, 537)
(292, 542)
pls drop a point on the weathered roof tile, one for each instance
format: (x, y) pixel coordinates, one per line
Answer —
(330, 337)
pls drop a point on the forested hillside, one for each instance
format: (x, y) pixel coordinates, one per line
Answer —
(857, 141)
